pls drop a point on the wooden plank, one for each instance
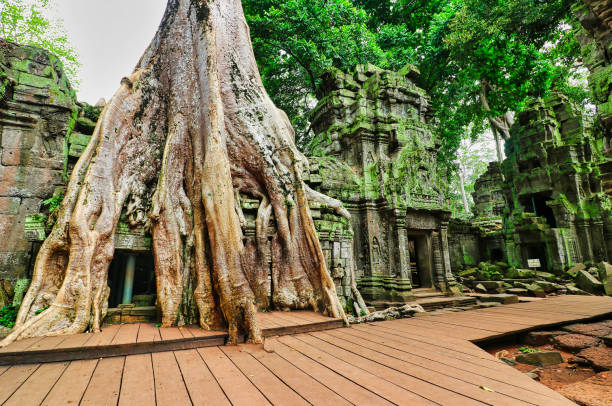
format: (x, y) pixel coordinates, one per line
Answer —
(237, 388)
(104, 337)
(71, 386)
(75, 341)
(423, 344)
(186, 332)
(170, 333)
(12, 379)
(47, 343)
(202, 386)
(105, 383)
(127, 334)
(275, 390)
(148, 333)
(441, 370)
(137, 385)
(38, 385)
(435, 387)
(169, 386)
(373, 382)
(20, 345)
(298, 368)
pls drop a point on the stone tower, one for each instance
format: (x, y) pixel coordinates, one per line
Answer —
(557, 210)
(377, 122)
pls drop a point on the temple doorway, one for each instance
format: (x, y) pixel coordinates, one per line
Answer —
(131, 278)
(419, 250)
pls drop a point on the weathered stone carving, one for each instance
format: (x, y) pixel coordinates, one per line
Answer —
(377, 122)
(557, 212)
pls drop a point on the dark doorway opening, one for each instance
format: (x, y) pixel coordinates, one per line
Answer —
(414, 264)
(420, 251)
(537, 251)
(144, 277)
(536, 204)
(497, 255)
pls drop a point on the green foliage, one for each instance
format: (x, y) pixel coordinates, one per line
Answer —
(8, 315)
(54, 203)
(528, 350)
(39, 311)
(26, 22)
(520, 48)
(295, 41)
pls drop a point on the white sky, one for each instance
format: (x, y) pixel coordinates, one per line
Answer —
(110, 36)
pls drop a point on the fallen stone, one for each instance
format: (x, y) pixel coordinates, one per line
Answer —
(573, 271)
(542, 359)
(594, 391)
(518, 291)
(608, 340)
(536, 290)
(605, 276)
(588, 282)
(575, 342)
(546, 286)
(546, 276)
(600, 358)
(480, 288)
(532, 375)
(486, 305)
(573, 290)
(514, 273)
(588, 329)
(467, 272)
(541, 337)
(508, 361)
(490, 285)
(502, 298)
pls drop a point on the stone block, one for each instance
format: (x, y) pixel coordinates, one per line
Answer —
(588, 282)
(502, 298)
(9, 205)
(541, 337)
(605, 275)
(542, 359)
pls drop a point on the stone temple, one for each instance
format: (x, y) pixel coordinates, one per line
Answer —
(367, 120)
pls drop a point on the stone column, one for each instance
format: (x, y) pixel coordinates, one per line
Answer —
(128, 283)
(450, 279)
(584, 239)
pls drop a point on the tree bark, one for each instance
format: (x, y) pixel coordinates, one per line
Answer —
(500, 126)
(186, 131)
(466, 206)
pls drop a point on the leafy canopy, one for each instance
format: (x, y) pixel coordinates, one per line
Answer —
(26, 22)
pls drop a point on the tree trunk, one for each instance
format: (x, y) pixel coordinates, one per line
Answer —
(466, 206)
(190, 127)
(499, 125)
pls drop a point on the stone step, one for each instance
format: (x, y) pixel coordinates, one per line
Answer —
(443, 302)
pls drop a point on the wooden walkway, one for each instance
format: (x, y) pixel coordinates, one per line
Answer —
(420, 361)
(142, 338)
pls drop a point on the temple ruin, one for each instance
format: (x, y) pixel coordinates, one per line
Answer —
(369, 119)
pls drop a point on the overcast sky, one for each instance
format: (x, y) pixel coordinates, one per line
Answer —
(110, 36)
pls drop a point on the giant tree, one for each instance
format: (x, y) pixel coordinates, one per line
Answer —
(187, 131)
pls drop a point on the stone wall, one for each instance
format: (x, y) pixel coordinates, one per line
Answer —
(557, 212)
(595, 38)
(36, 107)
(377, 122)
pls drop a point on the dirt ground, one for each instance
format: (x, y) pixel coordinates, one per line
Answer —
(576, 380)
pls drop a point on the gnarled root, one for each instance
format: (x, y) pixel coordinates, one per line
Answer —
(191, 124)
